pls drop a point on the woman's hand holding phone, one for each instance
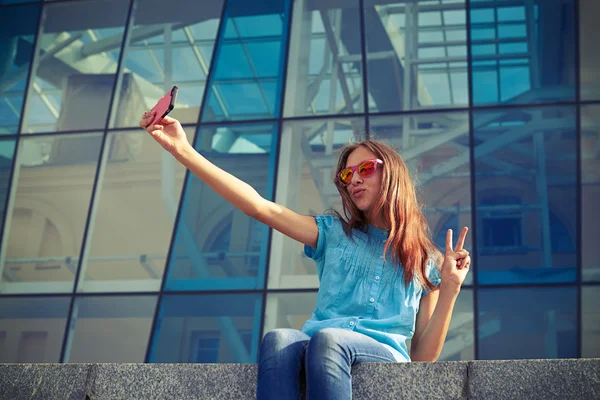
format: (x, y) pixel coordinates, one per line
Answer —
(168, 132)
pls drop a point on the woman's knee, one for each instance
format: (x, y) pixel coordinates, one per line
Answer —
(325, 340)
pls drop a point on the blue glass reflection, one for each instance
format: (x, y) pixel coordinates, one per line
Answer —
(247, 76)
(218, 247)
(530, 56)
(7, 152)
(523, 323)
(222, 328)
(526, 186)
(17, 31)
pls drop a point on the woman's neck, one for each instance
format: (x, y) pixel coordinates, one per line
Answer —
(379, 222)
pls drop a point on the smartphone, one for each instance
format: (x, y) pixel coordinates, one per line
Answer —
(165, 105)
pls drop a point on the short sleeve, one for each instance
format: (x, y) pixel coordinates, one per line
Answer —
(433, 274)
(324, 224)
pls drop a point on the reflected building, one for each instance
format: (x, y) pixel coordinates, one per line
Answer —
(112, 252)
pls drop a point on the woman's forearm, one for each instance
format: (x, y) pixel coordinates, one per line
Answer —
(240, 194)
(431, 341)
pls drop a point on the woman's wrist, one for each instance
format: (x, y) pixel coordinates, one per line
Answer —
(449, 289)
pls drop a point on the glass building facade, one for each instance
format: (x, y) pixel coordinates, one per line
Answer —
(112, 252)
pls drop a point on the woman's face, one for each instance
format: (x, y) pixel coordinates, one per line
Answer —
(364, 190)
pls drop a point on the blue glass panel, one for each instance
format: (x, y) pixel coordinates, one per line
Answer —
(18, 29)
(589, 37)
(222, 328)
(111, 329)
(218, 247)
(7, 152)
(544, 31)
(435, 147)
(73, 65)
(170, 47)
(406, 73)
(247, 76)
(590, 192)
(526, 186)
(32, 329)
(524, 323)
(590, 322)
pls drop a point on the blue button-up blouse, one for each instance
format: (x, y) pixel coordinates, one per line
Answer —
(362, 291)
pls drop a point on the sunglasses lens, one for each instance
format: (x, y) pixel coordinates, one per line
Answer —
(346, 175)
(367, 168)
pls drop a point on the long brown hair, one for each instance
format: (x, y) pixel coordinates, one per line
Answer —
(410, 237)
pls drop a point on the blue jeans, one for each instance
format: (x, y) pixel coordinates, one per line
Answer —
(325, 359)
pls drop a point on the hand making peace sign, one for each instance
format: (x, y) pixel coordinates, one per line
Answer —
(456, 262)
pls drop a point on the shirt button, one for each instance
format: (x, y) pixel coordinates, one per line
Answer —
(377, 278)
(351, 323)
(372, 300)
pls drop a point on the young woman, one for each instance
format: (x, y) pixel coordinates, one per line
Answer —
(380, 284)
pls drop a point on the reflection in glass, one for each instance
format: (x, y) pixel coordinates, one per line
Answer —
(460, 340)
(590, 192)
(524, 323)
(110, 329)
(307, 160)
(53, 180)
(247, 75)
(7, 151)
(590, 322)
(288, 310)
(77, 53)
(17, 31)
(416, 54)
(221, 328)
(526, 186)
(32, 329)
(216, 245)
(170, 47)
(589, 37)
(138, 198)
(324, 67)
(435, 148)
(523, 52)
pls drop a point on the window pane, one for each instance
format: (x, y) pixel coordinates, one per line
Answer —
(19, 25)
(324, 67)
(526, 186)
(589, 37)
(247, 76)
(435, 148)
(416, 54)
(72, 85)
(529, 57)
(288, 310)
(111, 329)
(32, 329)
(220, 328)
(170, 47)
(590, 192)
(216, 245)
(137, 200)
(7, 151)
(307, 162)
(53, 180)
(525, 323)
(460, 341)
(590, 322)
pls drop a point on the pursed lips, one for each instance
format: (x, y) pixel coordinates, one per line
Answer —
(358, 192)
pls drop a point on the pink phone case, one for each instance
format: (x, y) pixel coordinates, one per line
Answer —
(165, 105)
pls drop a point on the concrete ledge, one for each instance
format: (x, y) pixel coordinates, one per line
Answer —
(519, 379)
